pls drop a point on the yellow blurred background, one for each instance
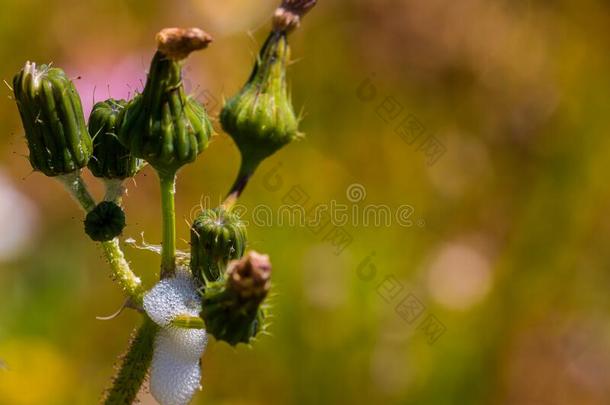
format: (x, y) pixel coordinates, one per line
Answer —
(488, 119)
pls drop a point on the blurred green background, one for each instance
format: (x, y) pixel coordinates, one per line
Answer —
(495, 292)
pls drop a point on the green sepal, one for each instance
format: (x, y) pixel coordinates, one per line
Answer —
(261, 118)
(232, 308)
(228, 317)
(110, 160)
(162, 125)
(52, 117)
(217, 236)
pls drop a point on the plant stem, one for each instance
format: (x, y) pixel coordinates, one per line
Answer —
(77, 188)
(246, 170)
(135, 364)
(168, 210)
(121, 272)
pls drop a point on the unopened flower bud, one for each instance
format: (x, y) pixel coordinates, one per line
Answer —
(250, 277)
(105, 222)
(217, 236)
(178, 43)
(110, 160)
(52, 117)
(260, 118)
(289, 14)
(162, 125)
(232, 309)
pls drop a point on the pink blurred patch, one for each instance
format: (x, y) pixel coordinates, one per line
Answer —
(120, 79)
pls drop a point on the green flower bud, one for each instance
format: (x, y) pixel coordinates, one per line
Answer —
(105, 222)
(232, 309)
(53, 120)
(111, 160)
(162, 125)
(217, 236)
(260, 118)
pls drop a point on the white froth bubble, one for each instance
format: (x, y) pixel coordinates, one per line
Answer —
(173, 380)
(172, 297)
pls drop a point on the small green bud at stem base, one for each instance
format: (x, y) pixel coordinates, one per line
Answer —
(105, 222)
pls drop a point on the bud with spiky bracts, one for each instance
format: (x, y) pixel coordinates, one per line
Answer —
(162, 125)
(260, 118)
(217, 236)
(52, 117)
(232, 309)
(110, 160)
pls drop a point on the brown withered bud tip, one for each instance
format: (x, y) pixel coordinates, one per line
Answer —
(178, 43)
(289, 14)
(251, 275)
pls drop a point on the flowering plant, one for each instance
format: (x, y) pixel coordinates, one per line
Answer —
(217, 288)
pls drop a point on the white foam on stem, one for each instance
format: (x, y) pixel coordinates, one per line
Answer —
(175, 373)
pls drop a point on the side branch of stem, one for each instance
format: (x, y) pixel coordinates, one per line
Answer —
(121, 271)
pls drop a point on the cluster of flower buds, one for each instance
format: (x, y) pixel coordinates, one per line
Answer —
(60, 143)
(224, 292)
(217, 236)
(231, 307)
(232, 291)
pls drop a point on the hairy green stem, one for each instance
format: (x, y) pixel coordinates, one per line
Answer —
(134, 366)
(121, 272)
(168, 210)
